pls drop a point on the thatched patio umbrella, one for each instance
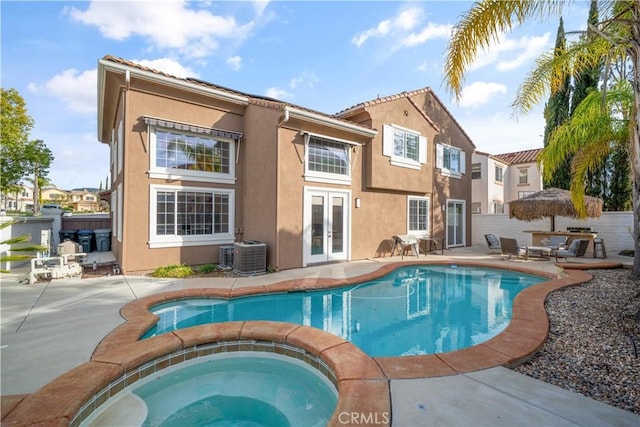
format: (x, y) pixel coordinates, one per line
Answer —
(549, 203)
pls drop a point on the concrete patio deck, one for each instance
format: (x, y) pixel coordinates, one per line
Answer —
(51, 328)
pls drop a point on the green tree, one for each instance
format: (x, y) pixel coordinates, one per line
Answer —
(617, 39)
(37, 159)
(15, 125)
(556, 112)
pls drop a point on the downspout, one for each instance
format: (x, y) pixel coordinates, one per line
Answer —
(282, 121)
(122, 213)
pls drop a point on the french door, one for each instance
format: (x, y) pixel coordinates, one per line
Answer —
(326, 225)
(455, 223)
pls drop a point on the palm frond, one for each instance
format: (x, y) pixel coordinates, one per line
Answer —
(484, 23)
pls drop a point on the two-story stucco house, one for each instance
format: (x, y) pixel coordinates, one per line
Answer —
(501, 178)
(196, 166)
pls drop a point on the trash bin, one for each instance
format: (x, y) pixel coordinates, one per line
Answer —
(84, 238)
(103, 239)
(68, 234)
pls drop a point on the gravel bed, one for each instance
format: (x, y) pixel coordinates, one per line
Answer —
(593, 346)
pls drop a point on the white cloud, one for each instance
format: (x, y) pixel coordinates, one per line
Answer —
(480, 93)
(305, 79)
(509, 54)
(76, 89)
(430, 32)
(405, 21)
(172, 25)
(277, 93)
(235, 62)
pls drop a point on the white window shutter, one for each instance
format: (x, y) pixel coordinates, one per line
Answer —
(387, 140)
(439, 156)
(462, 162)
(422, 149)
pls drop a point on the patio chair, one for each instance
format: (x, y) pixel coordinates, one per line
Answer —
(577, 248)
(492, 241)
(557, 242)
(509, 246)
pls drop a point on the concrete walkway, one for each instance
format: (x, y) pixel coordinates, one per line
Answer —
(49, 328)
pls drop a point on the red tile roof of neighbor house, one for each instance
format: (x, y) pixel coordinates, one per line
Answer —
(517, 157)
(264, 101)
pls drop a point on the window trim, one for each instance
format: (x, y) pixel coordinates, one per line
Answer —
(477, 166)
(168, 241)
(501, 168)
(325, 177)
(388, 149)
(419, 233)
(440, 161)
(523, 173)
(187, 175)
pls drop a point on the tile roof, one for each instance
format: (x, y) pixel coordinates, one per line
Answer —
(517, 157)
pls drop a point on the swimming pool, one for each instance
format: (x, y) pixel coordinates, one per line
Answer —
(242, 389)
(414, 310)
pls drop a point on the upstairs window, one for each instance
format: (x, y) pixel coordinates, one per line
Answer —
(450, 160)
(499, 174)
(188, 152)
(327, 159)
(523, 176)
(405, 147)
(476, 171)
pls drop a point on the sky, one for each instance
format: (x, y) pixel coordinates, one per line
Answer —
(323, 55)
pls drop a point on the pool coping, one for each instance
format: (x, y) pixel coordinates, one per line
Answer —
(363, 381)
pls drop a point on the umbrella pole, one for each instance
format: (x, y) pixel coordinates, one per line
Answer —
(553, 223)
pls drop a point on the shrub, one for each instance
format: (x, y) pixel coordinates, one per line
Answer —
(208, 268)
(174, 271)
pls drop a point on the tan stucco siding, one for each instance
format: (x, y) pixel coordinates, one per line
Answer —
(259, 193)
(137, 196)
(382, 174)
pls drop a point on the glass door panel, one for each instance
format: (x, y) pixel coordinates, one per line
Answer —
(317, 225)
(337, 224)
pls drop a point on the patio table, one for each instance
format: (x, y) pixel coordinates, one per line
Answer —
(539, 251)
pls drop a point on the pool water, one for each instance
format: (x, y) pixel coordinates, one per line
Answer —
(241, 390)
(413, 310)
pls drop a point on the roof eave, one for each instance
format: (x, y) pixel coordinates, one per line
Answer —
(331, 122)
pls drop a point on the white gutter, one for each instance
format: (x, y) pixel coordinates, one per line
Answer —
(331, 122)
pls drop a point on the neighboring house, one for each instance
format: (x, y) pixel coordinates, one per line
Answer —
(19, 199)
(84, 201)
(196, 166)
(502, 178)
(54, 195)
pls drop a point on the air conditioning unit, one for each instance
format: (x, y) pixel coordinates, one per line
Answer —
(250, 257)
(226, 256)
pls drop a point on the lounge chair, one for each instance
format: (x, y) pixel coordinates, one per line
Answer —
(492, 241)
(510, 247)
(577, 248)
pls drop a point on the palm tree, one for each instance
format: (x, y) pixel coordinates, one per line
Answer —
(19, 247)
(617, 40)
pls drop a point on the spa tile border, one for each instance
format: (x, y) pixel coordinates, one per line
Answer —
(362, 381)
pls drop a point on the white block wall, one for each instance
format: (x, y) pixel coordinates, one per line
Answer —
(614, 227)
